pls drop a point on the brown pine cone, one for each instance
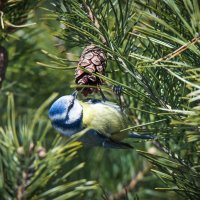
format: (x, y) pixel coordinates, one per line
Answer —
(93, 59)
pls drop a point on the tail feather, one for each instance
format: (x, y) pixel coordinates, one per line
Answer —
(116, 145)
(141, 136)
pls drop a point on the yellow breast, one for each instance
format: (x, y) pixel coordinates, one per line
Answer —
(105, 119)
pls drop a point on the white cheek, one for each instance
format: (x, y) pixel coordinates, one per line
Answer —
(58, 116)
(75, 113)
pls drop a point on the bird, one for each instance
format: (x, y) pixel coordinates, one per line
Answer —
(102, 120)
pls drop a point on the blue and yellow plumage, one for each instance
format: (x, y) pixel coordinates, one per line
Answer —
(103, 121)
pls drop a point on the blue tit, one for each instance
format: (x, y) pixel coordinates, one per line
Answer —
(102, 120)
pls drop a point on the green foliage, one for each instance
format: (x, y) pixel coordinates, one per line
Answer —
(175, 30)
(31, 167)
(28, 81)
(14, 14)
(160, 88)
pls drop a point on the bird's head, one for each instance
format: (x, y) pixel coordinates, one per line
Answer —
(66, 114)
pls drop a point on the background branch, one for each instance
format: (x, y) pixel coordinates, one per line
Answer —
(131, 186)
(133, 183)
(3, 64)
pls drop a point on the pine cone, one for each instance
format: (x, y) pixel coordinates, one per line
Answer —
(93, 59)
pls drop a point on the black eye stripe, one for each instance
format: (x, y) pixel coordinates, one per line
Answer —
(70, 105)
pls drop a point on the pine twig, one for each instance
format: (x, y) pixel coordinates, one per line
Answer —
(93, 19)
(28, 173)
(179, 50)
(21, 188)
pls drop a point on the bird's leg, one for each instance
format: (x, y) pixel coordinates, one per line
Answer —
(117, 89)
(102, 94)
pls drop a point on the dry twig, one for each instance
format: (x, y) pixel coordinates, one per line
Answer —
(179, 50)
(94, 20)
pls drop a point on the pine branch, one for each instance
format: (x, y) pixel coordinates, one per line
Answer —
(29, 170)
(14, 15)
(153, 92)
(21, 188)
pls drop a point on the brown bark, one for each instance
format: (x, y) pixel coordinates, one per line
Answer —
(3, 63)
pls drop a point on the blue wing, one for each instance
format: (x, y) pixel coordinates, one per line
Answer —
(93, 138)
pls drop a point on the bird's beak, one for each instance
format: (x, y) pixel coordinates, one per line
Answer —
(74, 94)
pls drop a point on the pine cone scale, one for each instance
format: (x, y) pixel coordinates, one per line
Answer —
(95, 60)
(90, 68)
(84, 63)
(89, 55)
